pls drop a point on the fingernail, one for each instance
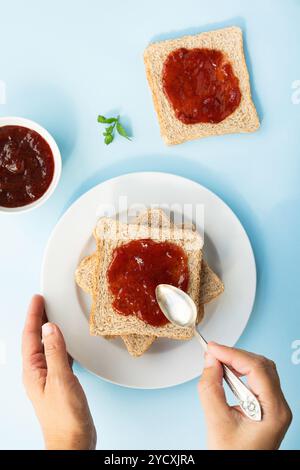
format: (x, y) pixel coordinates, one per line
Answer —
(47, 329)
(209, 360)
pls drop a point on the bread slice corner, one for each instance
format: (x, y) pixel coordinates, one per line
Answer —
(137, 345)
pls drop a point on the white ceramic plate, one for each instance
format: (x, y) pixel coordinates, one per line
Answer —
(167, 362)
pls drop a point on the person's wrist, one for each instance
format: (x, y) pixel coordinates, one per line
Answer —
(74, 441)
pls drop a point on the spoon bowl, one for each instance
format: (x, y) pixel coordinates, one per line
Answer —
(176, 305)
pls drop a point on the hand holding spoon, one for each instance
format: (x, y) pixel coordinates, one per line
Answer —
(181, 310)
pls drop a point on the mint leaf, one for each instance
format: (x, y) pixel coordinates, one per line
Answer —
(109, 132)
(122, 131)
(101, 119)
(109, 129)
(105, 120)
(108, 139)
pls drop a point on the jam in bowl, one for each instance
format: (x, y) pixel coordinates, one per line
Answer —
(30, 164)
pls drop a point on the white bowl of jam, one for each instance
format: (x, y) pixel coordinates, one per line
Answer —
(30, 164)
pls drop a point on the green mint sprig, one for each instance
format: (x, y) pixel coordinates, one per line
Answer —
(109, 133)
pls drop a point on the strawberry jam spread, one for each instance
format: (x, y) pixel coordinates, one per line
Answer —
(26, 166)
(200, 85)
(137, 268)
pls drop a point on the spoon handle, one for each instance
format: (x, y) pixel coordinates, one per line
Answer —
(201, 340)
(247, 400)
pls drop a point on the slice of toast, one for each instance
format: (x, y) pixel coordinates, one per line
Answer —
(230, 42)
(110, 234)
(211, 285)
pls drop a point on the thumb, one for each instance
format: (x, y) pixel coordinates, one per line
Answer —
(55, 350)
(211, 391)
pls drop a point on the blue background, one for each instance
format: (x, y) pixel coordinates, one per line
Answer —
(64, 62)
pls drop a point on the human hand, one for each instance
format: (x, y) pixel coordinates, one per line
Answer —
(227, 427)
(57, 396)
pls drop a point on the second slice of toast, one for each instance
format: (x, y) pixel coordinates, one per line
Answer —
(230, 42)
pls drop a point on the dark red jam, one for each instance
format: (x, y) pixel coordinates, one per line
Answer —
(26, 166)
(200, 85)
(136, 270)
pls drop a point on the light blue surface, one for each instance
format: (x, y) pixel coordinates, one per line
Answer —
(66, 61)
